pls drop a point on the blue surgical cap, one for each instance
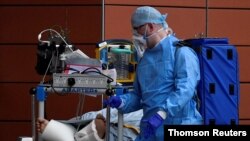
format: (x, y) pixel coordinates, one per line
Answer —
(147, 14)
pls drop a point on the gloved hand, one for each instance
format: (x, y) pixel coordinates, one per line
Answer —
(151, 124)
(113, 101)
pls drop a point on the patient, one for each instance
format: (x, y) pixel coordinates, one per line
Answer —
(90, 126)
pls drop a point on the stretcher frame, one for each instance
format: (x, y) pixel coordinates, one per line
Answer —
(40, 93)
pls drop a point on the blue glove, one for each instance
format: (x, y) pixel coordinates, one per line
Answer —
(151, 124)
(113, 101)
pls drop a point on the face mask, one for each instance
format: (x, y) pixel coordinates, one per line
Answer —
(140, 45)
(141, 42)
(147, 37)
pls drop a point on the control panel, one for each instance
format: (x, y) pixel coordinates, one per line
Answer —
(79, 80)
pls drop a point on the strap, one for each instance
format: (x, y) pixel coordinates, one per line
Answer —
(179, 44)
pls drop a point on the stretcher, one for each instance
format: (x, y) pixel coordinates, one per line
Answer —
(97, 86)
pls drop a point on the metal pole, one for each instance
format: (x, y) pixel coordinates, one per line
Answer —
(120, 125)
(33, 117)
(206, 18)
(103, 18)
(33, 113)
(40, 114)
(108, 108)
(107, 123)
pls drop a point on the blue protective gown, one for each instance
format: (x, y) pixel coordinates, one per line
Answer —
(166, 79)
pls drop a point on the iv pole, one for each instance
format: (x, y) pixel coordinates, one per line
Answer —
(120, 115)
(206, 18)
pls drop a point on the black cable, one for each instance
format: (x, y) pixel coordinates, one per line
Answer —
(86, 70)
(97, 71)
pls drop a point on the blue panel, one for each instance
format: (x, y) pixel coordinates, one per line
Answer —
(219, 86)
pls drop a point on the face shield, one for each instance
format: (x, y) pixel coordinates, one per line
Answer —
(139, 44)
(139, 41)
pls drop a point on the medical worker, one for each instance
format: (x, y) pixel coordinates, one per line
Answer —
(166, 78)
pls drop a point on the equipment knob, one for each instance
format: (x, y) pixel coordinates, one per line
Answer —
(71, 81)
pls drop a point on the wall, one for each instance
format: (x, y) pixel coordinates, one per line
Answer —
(22, 21)
(20, 24)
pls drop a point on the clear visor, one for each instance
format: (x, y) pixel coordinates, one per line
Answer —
(139, 44)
